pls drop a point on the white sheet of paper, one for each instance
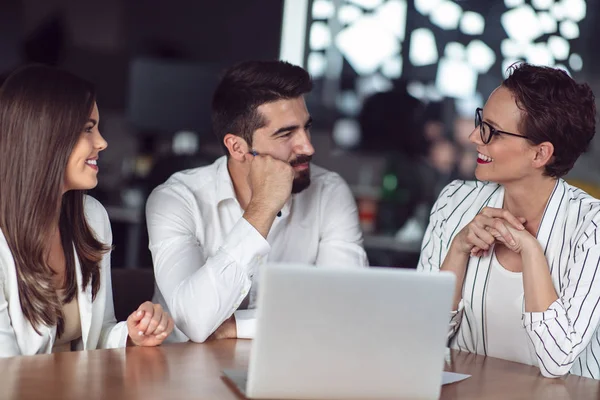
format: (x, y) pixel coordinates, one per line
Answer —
(451, 377)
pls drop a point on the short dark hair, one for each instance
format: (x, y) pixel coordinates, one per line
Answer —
(555, 109)
(246, 86)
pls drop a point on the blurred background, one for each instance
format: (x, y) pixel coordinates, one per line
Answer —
(396, 87)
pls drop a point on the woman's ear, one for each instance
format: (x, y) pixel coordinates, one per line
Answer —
(543, 154)
(236, 146)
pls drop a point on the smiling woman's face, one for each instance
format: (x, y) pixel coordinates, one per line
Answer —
(82, 168)
(505, 158)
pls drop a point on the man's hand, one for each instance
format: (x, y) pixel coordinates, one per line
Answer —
(270, 181)
(227, 330)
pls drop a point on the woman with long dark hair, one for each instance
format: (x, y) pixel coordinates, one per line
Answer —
(55, 241)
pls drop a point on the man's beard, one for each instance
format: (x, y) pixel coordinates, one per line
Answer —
(302, 181)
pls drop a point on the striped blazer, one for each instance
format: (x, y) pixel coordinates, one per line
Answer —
(565, 337)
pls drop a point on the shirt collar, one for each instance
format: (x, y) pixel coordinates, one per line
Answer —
(225, 188)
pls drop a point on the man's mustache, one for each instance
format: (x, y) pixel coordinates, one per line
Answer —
(300, 160)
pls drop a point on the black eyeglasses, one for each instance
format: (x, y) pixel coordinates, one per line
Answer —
(486, 130)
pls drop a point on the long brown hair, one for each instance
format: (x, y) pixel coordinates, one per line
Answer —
(43, 111)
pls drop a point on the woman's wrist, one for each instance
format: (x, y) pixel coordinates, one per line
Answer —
(457, 250)
(531, 246)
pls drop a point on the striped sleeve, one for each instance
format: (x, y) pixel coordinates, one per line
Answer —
(561, 333)
(435, 245)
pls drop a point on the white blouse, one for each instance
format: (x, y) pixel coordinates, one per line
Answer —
(565, 337)
(504, 302)
(99, 329)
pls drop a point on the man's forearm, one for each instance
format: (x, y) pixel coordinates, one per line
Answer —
(260, 217)
(227, 330)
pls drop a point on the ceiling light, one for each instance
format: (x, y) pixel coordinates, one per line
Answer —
(559, 47)
(513, 3)
(472, 23)
(575, 10)
(316, 64)
(456, 79)
(392, 68)
(423, 50)
(455, 51)
(322, 9)
(365, 44)
(366, 4)
(576, 62)
(348, 13)
(569, 30)
(320, 36)
(521, 24)
(426, 6)
(547, 22)
(446, 15)
(480, 56)
(542, 4)
(416, 89)
(392, 16)
(539, 54)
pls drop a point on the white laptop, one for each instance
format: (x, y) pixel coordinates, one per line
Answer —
(332, 333)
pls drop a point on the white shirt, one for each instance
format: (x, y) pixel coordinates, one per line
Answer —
(99, 329)
(207, 257)
(504, 305)
(566, 336)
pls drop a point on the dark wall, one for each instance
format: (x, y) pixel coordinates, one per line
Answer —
(100, 38)
(212, 31)
(10, 33)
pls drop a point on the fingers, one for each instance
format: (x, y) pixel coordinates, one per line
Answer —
(141, 322)
(169, 328)
(505, 235)
(162, 324)
(166, 331)
(136, 316)
(149, 325)
(491, 212)
(480, 238)
(139, 314)
(154, 321)
(500, 225)
(477, 252)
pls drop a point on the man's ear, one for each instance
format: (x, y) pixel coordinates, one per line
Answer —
(544, 155)
(236, 146)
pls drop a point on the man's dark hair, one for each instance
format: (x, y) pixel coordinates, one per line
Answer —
(245, 87)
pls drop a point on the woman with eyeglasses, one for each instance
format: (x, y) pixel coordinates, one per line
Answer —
(524, 245)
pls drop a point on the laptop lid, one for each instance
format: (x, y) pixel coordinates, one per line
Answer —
(349, 333)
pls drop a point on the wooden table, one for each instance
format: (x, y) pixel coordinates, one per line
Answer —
(193, 371)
